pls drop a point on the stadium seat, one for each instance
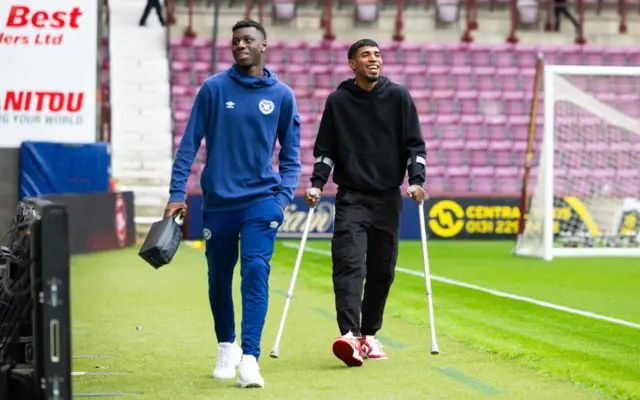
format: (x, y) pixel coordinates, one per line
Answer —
(284, 10)
(367, 10)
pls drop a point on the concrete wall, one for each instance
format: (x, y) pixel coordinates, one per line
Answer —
(9, 167)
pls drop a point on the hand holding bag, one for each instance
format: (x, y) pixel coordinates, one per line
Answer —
(162, 241)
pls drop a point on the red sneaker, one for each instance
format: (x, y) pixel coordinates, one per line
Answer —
(372, 349)
(348, 349)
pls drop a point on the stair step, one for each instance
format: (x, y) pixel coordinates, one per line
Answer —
(125, 170)
(154, 211)
(150, 46)
(137, 181)
(143, 177)
(160, 164)
(158, 111)
(138, 77)
(145, 189)
(141, 90)
(136, 142)
(161, 175)
(140, 66)
(161, 147)
(148, 125)
(143, 150)
(154, 201)
(146, 220)
(142, 125)
(144, 117)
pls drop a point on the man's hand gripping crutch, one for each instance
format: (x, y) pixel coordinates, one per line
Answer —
(418, 194)
(312, 196)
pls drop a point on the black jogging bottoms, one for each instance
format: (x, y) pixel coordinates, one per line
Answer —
(364, 244)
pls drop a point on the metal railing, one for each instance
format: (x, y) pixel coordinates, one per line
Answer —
(256, 9)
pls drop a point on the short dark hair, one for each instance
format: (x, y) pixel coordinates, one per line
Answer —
(249, 23)
(361, 43)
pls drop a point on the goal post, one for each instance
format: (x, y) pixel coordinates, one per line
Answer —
(528, 156)
(585, 197)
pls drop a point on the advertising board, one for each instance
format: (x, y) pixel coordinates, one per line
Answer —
(295, 218)
(48, 73)
(452, 218)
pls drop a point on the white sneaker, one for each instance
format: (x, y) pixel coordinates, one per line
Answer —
(229, 356)
(249, 373)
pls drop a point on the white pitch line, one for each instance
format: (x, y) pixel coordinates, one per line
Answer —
(490, 291)
(82, 373)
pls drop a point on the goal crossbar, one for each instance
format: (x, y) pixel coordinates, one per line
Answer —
(592, 70)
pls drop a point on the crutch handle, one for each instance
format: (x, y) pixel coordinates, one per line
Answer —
(412, 190)
(313, 192)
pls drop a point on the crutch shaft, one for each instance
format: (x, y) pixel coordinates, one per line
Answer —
(427, 276)
(276, 347)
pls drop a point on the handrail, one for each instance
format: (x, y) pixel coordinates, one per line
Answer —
(580, 38)
(473, 23)
(188, 31)
(248, 10)
(398, 36)
(548, 25)
(513, 16)
(326, 20)
(466, 36)
(170, 14)
(471, 18)
(623, 17)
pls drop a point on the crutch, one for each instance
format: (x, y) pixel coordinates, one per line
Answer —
(276, 347)
(427, 275)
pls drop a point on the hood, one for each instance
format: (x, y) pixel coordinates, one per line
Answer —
(243, 78)
(355, 90)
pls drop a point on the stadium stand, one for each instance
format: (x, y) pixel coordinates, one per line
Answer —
(469, 65)
(473, 99)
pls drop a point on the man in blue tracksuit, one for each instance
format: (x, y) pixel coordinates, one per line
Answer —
(240, 113)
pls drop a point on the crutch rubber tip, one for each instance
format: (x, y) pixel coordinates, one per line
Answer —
(434, 350)
(274, 354)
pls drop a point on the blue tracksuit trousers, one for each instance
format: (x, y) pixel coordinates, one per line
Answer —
(256, 227)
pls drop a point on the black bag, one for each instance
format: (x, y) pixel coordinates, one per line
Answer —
(162, 241)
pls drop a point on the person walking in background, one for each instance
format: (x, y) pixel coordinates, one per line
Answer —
(561, 9)
(240, 113)
(155, 4)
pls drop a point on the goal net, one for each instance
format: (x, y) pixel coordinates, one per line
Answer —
(585, 188)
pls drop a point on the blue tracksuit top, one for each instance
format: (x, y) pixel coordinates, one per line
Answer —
(240, 117)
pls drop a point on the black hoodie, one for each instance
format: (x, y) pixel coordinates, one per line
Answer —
(372, 139)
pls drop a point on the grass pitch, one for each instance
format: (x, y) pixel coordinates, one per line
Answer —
(157, 327)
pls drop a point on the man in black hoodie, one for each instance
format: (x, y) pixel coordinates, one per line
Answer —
(370, 135)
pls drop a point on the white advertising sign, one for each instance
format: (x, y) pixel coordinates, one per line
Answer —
(48, 76)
